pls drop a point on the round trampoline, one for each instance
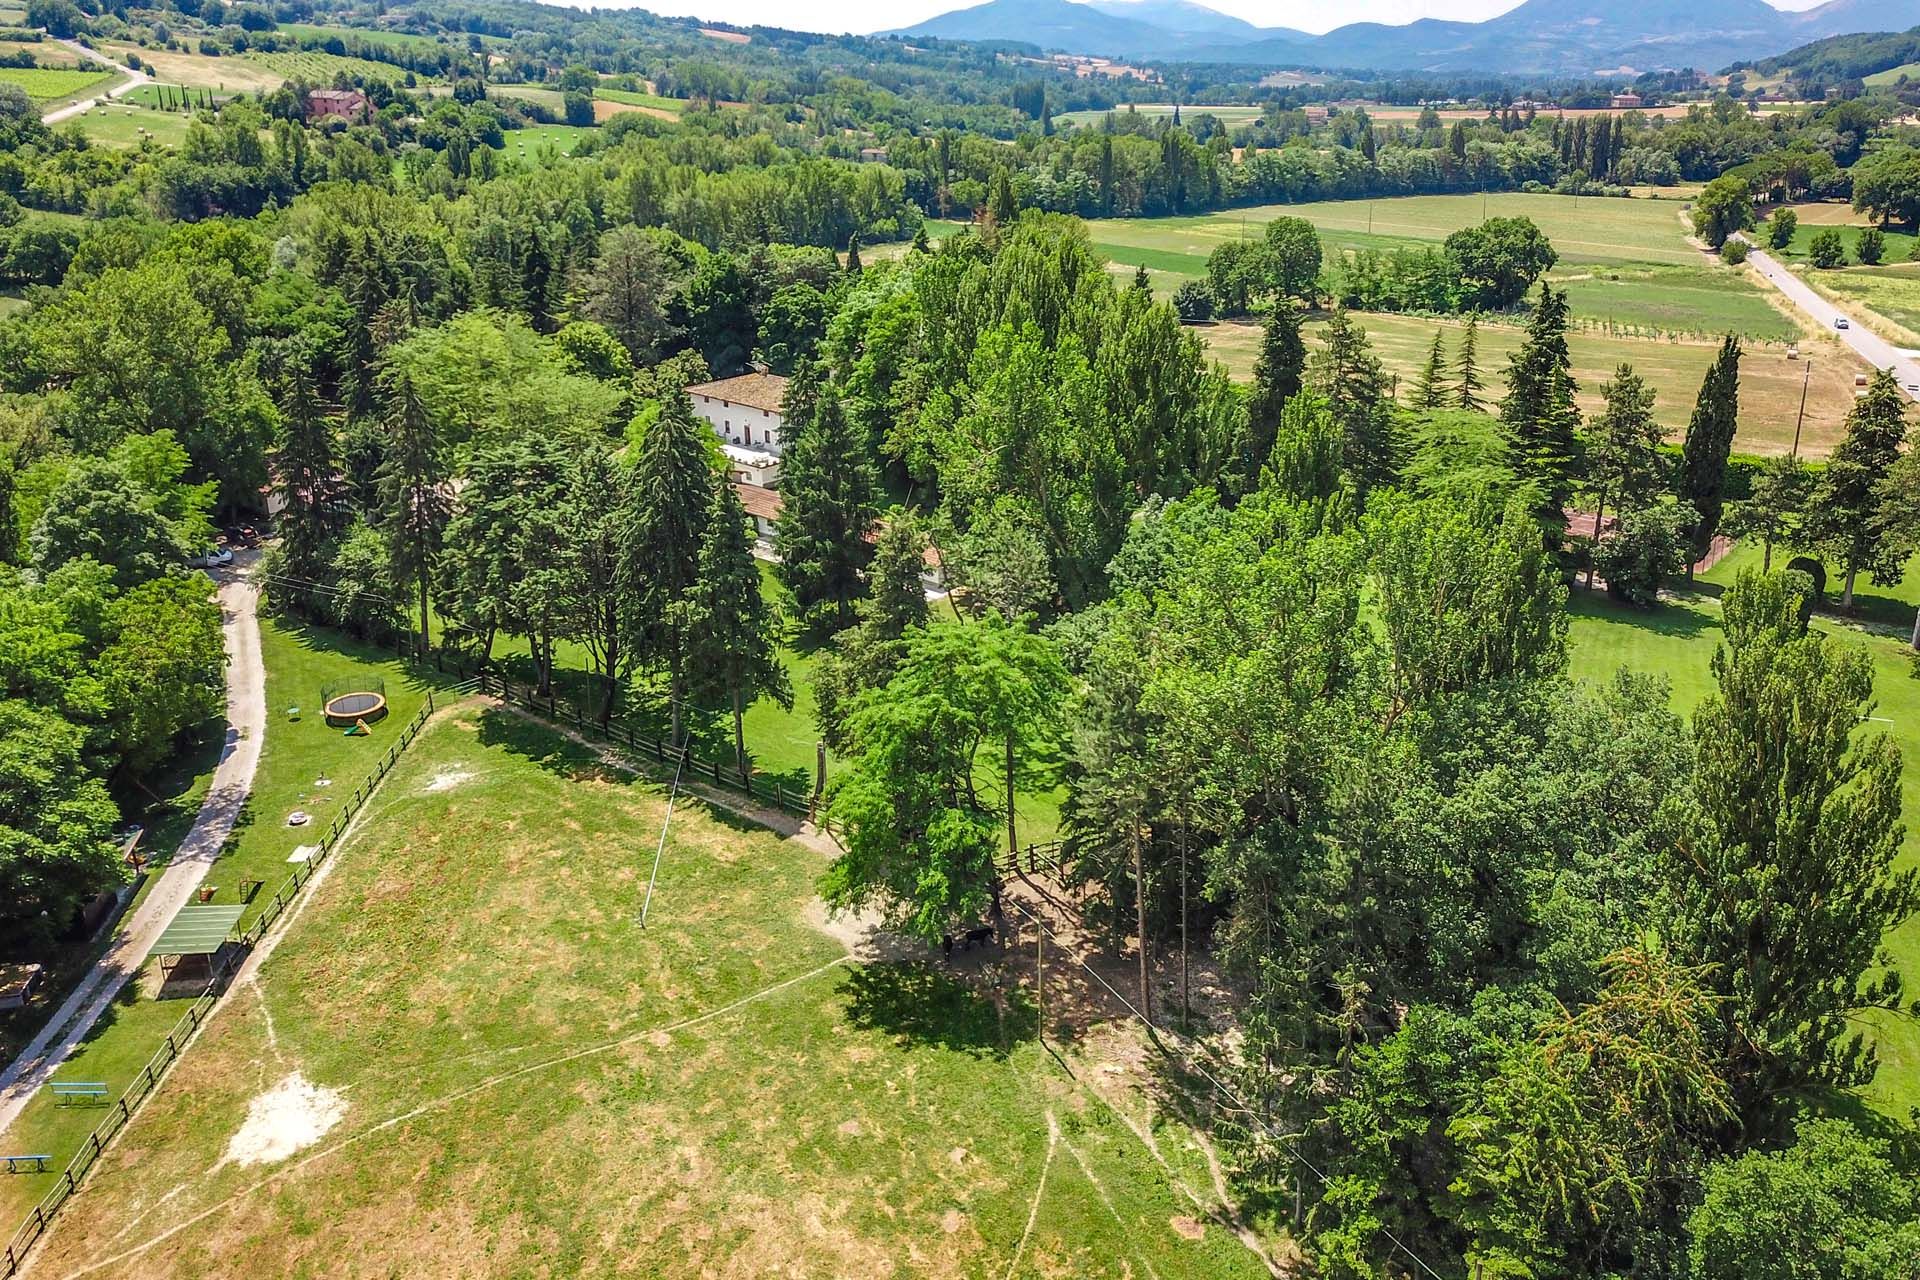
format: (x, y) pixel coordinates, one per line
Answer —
(344, 705)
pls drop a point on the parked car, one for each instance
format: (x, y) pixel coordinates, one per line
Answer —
(211, 558)
(1841, 323)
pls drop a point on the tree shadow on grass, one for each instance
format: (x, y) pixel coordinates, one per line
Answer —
(1663, 619)
(922, 1006)
(536, 743)
(316, 637)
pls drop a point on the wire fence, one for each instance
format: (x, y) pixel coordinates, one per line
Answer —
(228, 960)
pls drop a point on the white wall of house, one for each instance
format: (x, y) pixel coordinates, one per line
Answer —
(760, 429)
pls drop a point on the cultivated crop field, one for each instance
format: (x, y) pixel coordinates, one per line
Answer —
(1769, 382)
(463, 1056)
(121, 124)
(47, 84)
(653, 103)
(1228, 114)
(1890, 292)
(198, 71)
(320, 68)
(385, 39)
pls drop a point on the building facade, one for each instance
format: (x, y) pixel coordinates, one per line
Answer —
(745, 411)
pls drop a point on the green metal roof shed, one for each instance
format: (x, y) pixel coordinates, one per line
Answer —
(197, 931)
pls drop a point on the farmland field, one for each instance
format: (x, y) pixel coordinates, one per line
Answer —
(48, 84)
(496, 1069)
(528, 143)
(1890, 292)
(1769, 382)
(320, 68)
(1229, 115)
(646, 101)
(1893, 75)
(120, 124)
(198, 71)
(385, 39)
(552, 99)
(1899, 244)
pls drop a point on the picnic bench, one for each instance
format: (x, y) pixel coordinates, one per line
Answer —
(27, 1164)
(67, 1090)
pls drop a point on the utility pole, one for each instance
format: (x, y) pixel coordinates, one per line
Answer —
(1140, 916)
(1806, 376)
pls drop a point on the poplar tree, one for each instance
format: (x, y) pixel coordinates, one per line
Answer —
(826, 486)
(669, 505)
(731, 624)
(1702, 481)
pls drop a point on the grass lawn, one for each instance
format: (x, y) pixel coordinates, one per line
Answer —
(1770, 384)
(296, 754)
(12, 303)
(527, 1084)
(48, 84)
(1677, 641)
(1899, 244)
(534, 141)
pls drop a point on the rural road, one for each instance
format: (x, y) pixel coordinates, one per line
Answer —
(1874, 349)
(120, 90)
(177, 880)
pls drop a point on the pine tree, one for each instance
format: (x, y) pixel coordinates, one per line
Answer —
(414, 495)
(670, 503)
(1623, 451)
(1276, 379)
(1539, 414)
(827, 487)
(1141, 281)
(1349, 376)
(920, 242)
(307, 476)
(1702, 481)
(1467, 368)
(1428, 393)
(732, 627)
(867, 655)
(1844, 519)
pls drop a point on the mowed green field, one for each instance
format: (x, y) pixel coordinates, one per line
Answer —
(1583, 229)
(531, 142)
(1899, 244)
(48, 84)
(119, 124)
(1624, 263)
(1676, 641)
(1770, 384)
(649, 101)
(465, 1050)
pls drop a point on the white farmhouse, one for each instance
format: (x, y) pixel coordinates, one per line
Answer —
(744, 410)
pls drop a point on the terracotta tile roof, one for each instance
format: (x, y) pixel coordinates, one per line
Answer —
(759, 500)
(754, 390)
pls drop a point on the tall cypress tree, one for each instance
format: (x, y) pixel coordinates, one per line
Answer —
(1467, 367)
(1276, 379)
(826, 486)
(1539, 412)
(415, 499)
(9, 521)
(1702, 481)
(1845, 519)
(670, 504)
(731, 624)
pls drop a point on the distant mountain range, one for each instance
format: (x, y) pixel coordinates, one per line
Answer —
(1559, 37)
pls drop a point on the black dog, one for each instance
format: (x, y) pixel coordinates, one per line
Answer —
(982, 935)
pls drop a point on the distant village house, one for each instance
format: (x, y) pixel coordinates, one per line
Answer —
(342, 104)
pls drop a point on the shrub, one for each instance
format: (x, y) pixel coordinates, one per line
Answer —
(1193, 302)
(1734, 252)
(1648, 547)
(1780, 228)
(1870, 247)
(1828, 250)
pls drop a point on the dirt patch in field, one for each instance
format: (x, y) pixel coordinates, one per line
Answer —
(448, 779)
(285, 1120)
(862, 935)
(1188, 1228)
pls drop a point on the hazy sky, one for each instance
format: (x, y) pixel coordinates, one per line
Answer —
(880, 15)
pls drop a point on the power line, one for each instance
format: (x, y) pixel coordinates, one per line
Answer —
(673, 794)
(1283, 1140)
